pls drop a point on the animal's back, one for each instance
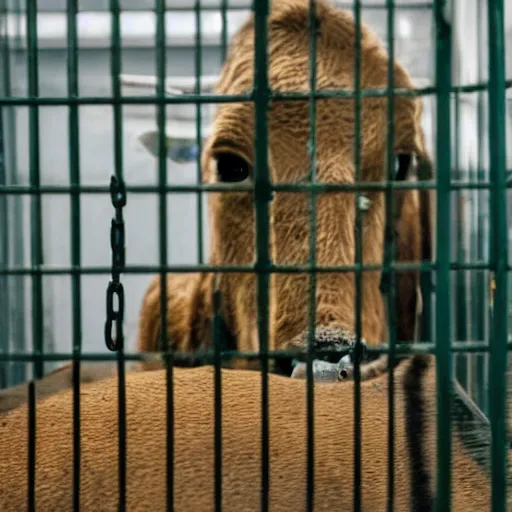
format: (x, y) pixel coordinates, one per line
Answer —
(241, 445)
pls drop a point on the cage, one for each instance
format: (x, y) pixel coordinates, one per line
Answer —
(65, 68)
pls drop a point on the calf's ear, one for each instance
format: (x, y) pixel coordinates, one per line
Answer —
(180, 138)
(177, 149)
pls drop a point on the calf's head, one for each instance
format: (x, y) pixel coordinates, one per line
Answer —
(229, 157)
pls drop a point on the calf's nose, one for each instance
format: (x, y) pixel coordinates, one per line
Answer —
(328, 364)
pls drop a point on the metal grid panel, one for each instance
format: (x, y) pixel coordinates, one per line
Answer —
(498, 263)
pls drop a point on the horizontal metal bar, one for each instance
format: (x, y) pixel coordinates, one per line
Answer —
(382, 92)
(186, 7)
(123, 100)
(273, 269)
(237, 6)
(318, 188)
(219, 98)
(400, 349)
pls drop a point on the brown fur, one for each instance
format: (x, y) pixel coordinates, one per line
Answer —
(61, 378)
(415, 418)
(232, 214)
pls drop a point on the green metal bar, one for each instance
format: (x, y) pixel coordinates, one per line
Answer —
(426, 284)
(162, 163)
(5, 292)
(480, 290)
(31, 441)
(36, 231)
(18, 371)
(224, 30)
(461, 361)
(345, 5)
(358, 260)
(389, 251)
(271, 269)
(74, 178)
(312, 150)
(234, 98)
(499, 254)
(161, 65)
(401, 349)
(262, 196)
(217, 360)
(443, 310)
(318, 188)
(15, 373)
(199, 136)
(118, 164)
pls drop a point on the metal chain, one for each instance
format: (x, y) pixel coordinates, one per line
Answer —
(115, 287)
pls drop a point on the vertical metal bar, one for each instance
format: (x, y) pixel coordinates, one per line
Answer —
(499, 253)
(199, 136)
(74, 178)
(358, 259)
(5, 324)
(31, 447)
(425, 276)
(5, 233)
(36, 231)
(161, 64)
(118, 164)
(479, 292)
(17, 372)
(312, 260)
(262, 195)
(224, 29)
(389, 251)
(36, 241)
(458, 219)
(217, 341)
(443, 311)
(461, 362)
(455, 218)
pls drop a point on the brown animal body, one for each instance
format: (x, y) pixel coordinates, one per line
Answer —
(230, 149)
(414, 440)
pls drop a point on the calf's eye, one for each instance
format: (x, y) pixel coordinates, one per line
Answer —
(232, 168)
(402, 165)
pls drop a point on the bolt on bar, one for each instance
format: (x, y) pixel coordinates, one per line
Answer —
(499, 254)
(262, 195)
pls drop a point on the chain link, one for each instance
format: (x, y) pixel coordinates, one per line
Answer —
(115, 288)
